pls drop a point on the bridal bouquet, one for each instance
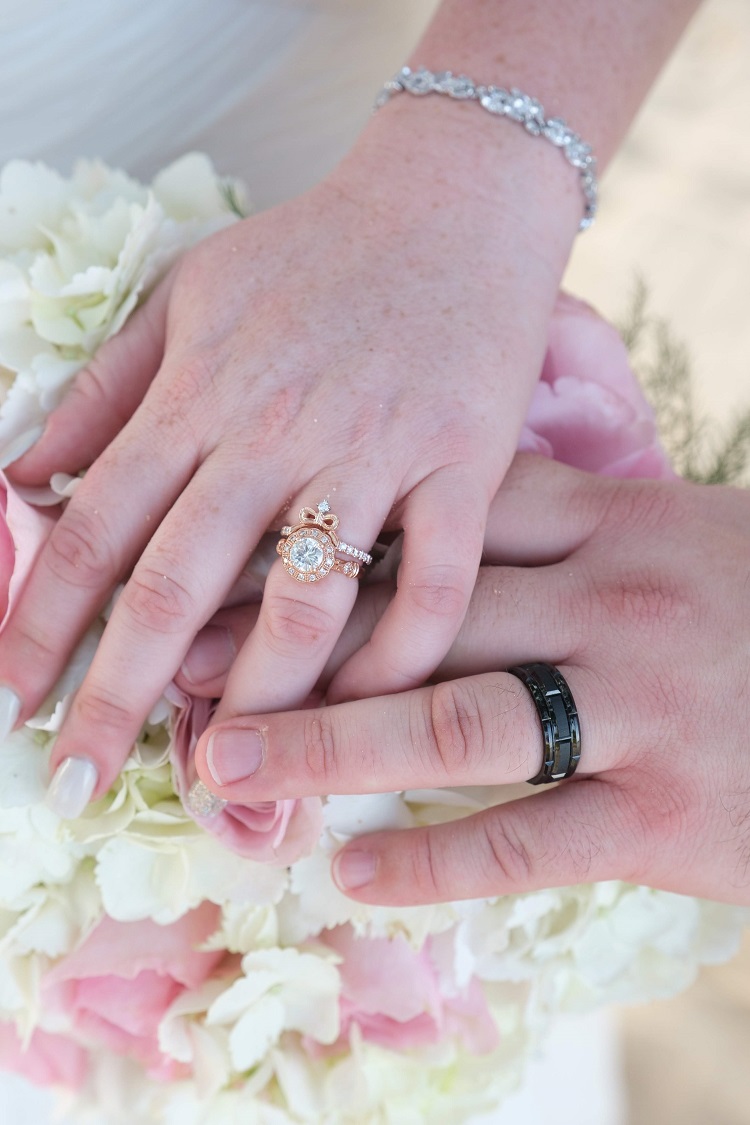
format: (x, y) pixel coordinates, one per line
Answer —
(160, 965)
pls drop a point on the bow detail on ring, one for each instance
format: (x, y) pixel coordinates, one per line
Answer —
(323, 517)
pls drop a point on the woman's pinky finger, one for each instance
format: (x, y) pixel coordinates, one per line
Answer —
(575, 833)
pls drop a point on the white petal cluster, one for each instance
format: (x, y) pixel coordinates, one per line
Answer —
(78, 254)
(580, 947)
(366, 1086)
(280, 990)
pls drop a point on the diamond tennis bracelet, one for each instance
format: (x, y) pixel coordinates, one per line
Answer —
(507, 103)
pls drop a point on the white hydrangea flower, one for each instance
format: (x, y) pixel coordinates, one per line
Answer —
(31, 854)
(79, 254)
(591, 944)
(23, 779)
(54, 917)
(412, 1094)
(19, 989)
(185, 1037)
(180, 1106)
(281, 990)
(245, 927)
(163, 877)
(373, 1085)
(117, 1092)
(316, 903)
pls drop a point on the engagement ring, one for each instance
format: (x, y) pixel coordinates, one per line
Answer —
(309, 548)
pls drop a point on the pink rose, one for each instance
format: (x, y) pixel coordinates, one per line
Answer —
(588, 409)
(47, 1060)
(393, 992)
(23, 530)
(117, 985)
(277, 832)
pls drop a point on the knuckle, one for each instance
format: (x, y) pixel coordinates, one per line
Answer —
(439, 591)
(504, 854)
(295, 628)
(94, 383)
(101, 711)
(661, 725)
(320, 747)
(282, 407)
(455, 434)
(171, 411)
(426, 867)
(78, 552)
(643, 505)
(455, 727)
(646, 599)
(670, 813)
(158, 601)
(32, 647)
(197, 371)
(578, 844)
(276, 410)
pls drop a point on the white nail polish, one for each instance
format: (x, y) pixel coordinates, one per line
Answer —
(10, 709)
(202, 802)
(19, 445)
(71, 788)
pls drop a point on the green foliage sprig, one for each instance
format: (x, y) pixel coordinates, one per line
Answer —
(699, 447)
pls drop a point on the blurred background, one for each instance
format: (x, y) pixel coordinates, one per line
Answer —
(676, 206)
(676, 212)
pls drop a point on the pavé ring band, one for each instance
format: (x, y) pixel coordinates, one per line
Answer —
(561, 729)
(308, 549)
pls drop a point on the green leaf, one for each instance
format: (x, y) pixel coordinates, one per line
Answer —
(700, 449)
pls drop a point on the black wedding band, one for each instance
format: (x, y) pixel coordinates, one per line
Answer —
(561, 730)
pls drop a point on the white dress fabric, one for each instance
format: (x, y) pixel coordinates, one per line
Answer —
(275, 91)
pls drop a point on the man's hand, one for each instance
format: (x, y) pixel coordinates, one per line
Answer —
(638, 591)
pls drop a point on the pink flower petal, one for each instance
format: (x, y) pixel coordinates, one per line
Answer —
(277, 832)
(125, 949)
(47, 1060)
(588, 409)
(23, 530)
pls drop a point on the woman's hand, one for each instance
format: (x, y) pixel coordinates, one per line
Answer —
(374, 343)
(638, 591)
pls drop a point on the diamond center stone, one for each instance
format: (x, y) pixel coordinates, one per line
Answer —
(306, 554)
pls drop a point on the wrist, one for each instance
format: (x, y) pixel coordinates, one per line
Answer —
(453, 158)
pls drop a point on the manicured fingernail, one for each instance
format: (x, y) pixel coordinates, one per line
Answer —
(210, 655)
(20, 445)
(202, 802)
(71, 788)
(234, 755)
(352, 868)
(10, 709)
